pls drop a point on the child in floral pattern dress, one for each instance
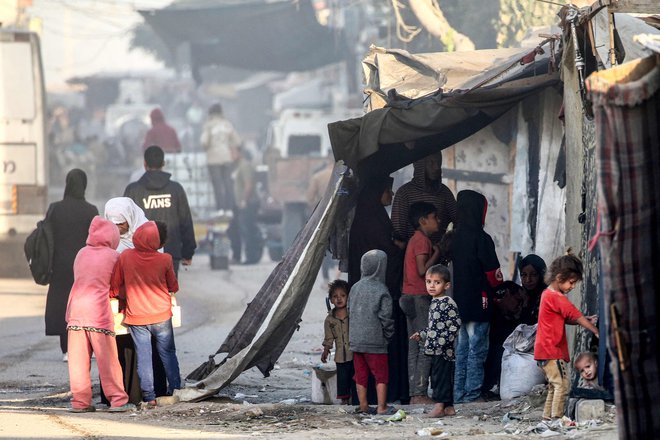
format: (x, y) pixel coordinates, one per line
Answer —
(439, 339)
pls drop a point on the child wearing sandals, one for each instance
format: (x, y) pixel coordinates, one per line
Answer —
(439, 338)
(371, 327)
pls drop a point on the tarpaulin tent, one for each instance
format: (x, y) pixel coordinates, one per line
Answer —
(480, 93)
(271, 35)
(267, 325)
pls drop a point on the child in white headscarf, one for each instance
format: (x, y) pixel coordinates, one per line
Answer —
(128, 216)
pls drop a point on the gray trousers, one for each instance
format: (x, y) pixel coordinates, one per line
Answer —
(416, 309)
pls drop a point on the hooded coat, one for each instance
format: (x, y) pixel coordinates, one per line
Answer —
(70, 219)
(420, 189)
(147, 277)
(161, 134)
(164, 200)
(89, 301)
(370, 307)
(475, 263)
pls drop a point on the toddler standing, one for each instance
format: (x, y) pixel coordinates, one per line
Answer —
(336, 332)
(371, 328)
(439, 338)
(551, 347)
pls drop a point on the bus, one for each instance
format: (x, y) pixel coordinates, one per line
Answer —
(23, 153)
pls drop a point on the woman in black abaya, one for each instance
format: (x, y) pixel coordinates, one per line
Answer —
(372, 229)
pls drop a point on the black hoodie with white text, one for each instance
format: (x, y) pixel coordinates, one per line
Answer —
(165, 200)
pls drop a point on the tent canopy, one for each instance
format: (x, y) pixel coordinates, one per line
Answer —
(479, 87)
(271, 35)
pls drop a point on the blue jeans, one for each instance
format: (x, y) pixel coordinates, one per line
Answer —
(164, 336)
(470, 357)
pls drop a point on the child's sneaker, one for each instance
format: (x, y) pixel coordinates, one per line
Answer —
(125, 407)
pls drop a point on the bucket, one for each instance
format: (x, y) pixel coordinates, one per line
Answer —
(324, 385)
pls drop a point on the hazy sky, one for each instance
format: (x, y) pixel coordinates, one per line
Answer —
(83, 37)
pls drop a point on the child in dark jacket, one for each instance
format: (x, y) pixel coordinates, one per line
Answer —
(336, 333)
(371, 327)
(149, 280)
(476, 273)
(439, 339)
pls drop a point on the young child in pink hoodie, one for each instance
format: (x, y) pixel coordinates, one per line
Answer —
(90, 324)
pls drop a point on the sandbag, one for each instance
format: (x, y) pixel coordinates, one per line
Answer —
(519, 370)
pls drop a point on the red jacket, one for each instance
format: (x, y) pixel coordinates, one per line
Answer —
(147, 277)
(554, 311)
(161, 134)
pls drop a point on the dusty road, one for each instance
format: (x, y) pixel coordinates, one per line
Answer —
(34, 380)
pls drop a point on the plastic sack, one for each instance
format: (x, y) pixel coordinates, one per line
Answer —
(519, 370)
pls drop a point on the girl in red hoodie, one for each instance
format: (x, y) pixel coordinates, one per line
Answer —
(90, 324)
(148, 278)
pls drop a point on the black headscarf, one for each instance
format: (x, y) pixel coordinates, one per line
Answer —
(371, 227)
(530, 314)
(76, 182)
(537, 263)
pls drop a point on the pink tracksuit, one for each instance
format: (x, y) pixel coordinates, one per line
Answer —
(89, 318)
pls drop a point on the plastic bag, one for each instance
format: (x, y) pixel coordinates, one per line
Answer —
(519, 370)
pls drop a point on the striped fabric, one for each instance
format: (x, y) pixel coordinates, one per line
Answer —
(627, 113)
(415, 191)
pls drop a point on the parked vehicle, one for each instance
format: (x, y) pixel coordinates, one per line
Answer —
(23, 149)
(297, 146)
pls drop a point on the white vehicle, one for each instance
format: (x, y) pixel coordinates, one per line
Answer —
(23, 152)
(304, 132)
(298, 144)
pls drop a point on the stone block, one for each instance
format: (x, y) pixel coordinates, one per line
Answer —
(589, 410)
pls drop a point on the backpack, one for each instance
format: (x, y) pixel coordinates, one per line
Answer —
(39, 247)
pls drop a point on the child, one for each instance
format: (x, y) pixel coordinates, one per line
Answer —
(336, 331)
(439, 337)
(90, 324)
(414, 301)
(586, 364)
(476, 273)
(148, 278)
(371, 327)
(551, 348)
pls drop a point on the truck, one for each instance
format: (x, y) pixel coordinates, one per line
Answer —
(297, 145)
(23, 149)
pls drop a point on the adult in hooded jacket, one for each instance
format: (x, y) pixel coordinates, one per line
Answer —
(161, 133)
(70, 219)
(165, 200)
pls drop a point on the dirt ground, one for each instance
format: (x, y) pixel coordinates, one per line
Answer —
(34, 381)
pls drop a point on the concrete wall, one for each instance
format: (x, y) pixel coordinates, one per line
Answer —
(580, 185)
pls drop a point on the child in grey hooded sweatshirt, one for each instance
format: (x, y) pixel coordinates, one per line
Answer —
(370, 328)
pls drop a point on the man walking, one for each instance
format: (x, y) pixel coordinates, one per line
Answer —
(165, 200)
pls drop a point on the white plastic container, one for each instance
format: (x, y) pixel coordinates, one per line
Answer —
(324, 384)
